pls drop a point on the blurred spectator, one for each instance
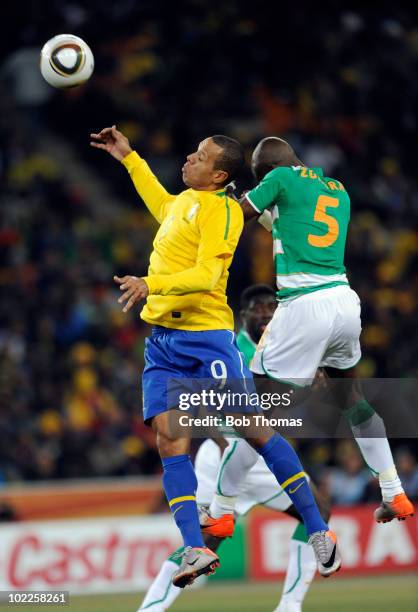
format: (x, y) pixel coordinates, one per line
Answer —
(348, 481)
(408, 471)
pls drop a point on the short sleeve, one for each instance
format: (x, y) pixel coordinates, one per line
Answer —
(266, 193)
(220, 224)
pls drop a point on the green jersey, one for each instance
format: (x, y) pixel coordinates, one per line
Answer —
(246, 345)
(310, 216)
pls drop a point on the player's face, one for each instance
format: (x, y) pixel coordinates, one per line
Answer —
(258, 314)
(199, 172)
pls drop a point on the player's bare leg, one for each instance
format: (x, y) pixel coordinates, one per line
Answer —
(370, 434)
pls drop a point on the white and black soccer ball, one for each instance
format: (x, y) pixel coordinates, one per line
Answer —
(66, 61)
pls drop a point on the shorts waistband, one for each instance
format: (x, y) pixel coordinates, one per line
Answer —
(160, 329)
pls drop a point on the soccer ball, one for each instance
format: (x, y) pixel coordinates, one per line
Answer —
(66, 61)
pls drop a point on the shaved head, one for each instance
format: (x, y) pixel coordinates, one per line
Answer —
(270, 153)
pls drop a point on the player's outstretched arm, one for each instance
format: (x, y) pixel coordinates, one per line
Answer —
(155, 196)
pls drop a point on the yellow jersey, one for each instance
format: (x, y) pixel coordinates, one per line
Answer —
(192, 252)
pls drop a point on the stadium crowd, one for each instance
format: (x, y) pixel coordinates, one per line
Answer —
(70, 362)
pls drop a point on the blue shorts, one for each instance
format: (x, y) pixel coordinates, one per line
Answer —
(177, 354)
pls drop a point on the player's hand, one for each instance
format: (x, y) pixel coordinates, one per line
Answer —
(136, 290)
(111, 140)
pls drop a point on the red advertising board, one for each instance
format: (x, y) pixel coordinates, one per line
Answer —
(85, 555)
(366, 546)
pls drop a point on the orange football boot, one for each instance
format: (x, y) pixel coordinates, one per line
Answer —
(400, 507)
(222, 527)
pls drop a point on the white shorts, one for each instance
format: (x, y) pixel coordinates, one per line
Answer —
(260, 486)
(321, 328)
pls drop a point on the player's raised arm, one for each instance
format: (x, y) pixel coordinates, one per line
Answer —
(155, 196)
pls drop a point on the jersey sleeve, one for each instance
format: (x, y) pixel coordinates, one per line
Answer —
(156, 197)
(267, 192)
(220, 225)
(202, 277)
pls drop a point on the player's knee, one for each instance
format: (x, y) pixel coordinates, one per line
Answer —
(168, 441)
(170, 447)
(258, 442)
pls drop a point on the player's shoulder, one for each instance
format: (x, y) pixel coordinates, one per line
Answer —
(215, 200)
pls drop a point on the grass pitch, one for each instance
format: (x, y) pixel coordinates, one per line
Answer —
(374, 594)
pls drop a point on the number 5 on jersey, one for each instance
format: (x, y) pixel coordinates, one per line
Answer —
(321, 216)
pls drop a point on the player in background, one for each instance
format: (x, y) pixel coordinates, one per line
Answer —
(258, 304)
(317, 322)
(193, 330)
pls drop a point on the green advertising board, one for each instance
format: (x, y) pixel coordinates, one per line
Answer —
(233, 554)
